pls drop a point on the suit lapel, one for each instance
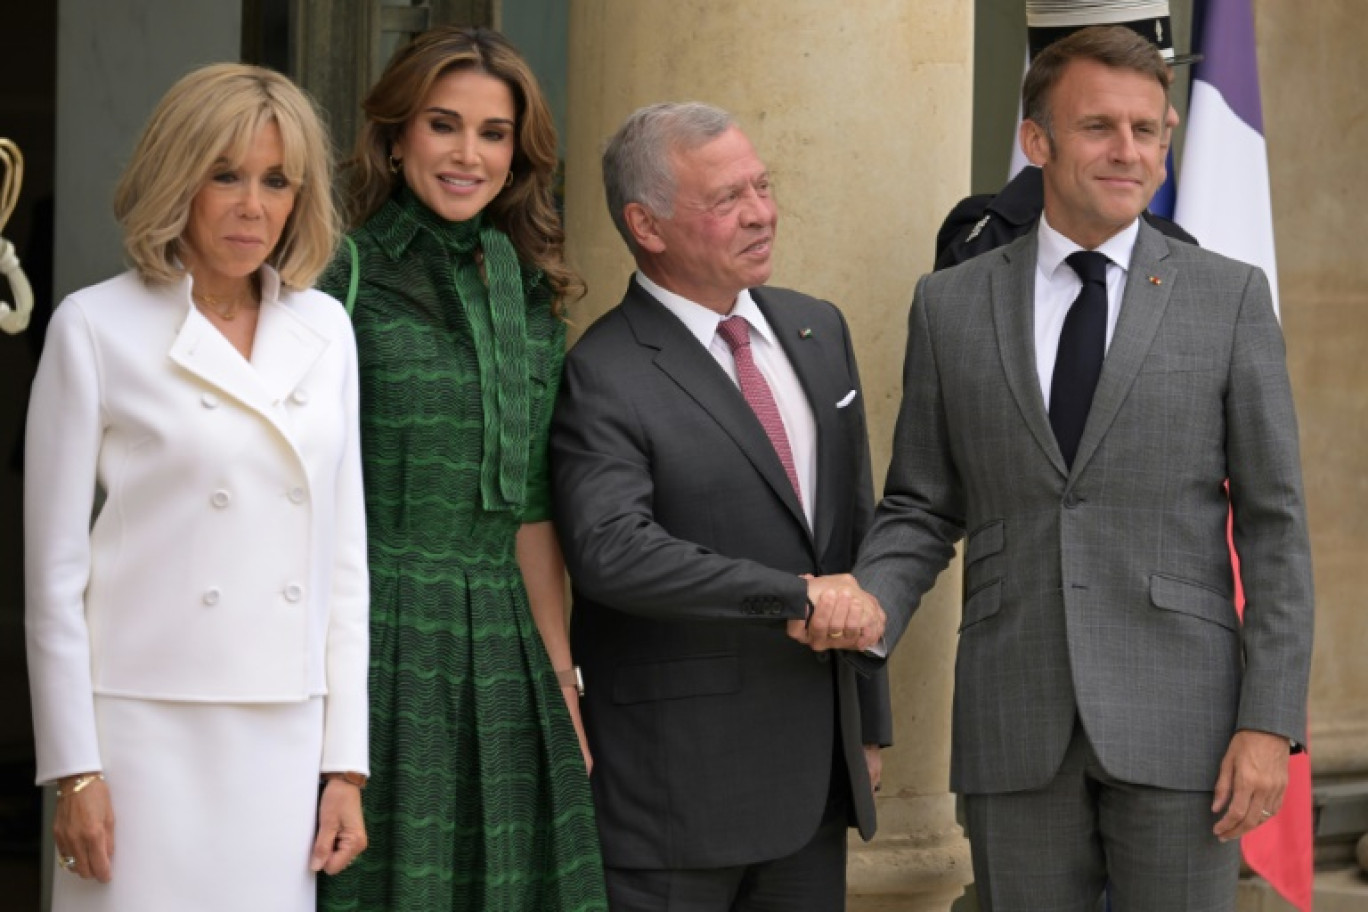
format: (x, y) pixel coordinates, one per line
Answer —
(203, 351)
(1149, 284)
(1013, 291)
(694, 370)
(285, 349)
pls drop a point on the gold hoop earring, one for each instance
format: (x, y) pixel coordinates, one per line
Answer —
(395, 164)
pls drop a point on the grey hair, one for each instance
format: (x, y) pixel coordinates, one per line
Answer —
(636, 161)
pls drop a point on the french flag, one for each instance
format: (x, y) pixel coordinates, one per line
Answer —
(1223, 201)
(1223, 197)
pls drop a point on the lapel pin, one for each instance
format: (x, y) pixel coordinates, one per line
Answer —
(805, 333)
(1155, 280)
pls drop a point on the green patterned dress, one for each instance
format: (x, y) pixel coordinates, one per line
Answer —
(478, 799)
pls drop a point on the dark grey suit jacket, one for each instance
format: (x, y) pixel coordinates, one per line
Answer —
(1105, 592)
(713, 733)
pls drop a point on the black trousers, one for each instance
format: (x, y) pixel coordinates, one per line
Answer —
(812, 879)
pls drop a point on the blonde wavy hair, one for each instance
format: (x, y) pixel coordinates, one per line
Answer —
(214, 113)
(526, 210)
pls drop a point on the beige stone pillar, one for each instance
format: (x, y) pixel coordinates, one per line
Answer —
(1319, 189)
(1315, 155)
(862, 110)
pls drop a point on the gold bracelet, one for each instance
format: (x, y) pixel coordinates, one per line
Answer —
(81, 782)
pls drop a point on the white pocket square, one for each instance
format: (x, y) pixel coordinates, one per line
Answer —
(847, 398)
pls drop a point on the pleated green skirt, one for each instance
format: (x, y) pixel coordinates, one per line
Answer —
(478, 798)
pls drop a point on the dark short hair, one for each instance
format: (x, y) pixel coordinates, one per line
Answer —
(1114, 46)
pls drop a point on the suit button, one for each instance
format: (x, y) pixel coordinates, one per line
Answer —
(221, 499)
(211, 596)
(297, 495)
(209, 401)
(294, 592)
(1071, 501)
(300, 396)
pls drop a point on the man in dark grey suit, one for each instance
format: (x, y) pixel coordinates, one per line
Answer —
(709, 452)
(1076, 401)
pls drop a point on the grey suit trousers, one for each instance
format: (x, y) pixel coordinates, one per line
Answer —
(1055, 849)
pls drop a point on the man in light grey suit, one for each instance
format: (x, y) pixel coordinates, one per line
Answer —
(1079, 415)
(708, 452)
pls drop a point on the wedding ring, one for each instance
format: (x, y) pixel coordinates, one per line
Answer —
(1266, 812)
(68, 862)
(835, 634)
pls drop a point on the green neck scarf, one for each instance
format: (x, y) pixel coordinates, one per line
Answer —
(495, 306)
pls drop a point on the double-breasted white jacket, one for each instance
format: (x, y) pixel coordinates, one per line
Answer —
(194, 524)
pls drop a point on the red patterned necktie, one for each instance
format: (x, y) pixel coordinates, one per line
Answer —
(736, 332)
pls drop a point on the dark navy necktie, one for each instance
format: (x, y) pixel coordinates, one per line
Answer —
(1082, 345)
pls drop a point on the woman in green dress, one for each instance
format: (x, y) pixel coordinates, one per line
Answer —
(479, 794)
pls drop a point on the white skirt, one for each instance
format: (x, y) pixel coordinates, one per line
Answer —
(215, 807)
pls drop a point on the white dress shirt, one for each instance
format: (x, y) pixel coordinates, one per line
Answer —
(1057, 285)
(794, 408)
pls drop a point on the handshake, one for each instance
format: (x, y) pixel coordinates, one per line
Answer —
(841, 615)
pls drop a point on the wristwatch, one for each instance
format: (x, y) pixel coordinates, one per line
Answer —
(571, 677)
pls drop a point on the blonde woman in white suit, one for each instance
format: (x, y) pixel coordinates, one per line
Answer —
(194, 530)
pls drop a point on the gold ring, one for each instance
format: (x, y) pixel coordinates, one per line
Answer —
(835, 634)
(67, 861)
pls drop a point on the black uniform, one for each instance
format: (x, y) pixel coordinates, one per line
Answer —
(982, 223)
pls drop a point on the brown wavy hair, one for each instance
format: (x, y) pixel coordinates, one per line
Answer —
(525, 210)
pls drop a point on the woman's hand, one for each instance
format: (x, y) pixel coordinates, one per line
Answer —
(341, 829)
(84, 827)
(572, 703)
(543, 573)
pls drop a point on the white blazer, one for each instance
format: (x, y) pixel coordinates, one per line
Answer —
(194, 525)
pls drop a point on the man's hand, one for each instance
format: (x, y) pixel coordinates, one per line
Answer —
(1250, 787)
(843, 616)
(873, 755)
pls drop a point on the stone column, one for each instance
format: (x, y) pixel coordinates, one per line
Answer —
(863, 112)
(1323, 279)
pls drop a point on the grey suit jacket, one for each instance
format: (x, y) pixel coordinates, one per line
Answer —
(714, 734)
(1105, 592)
